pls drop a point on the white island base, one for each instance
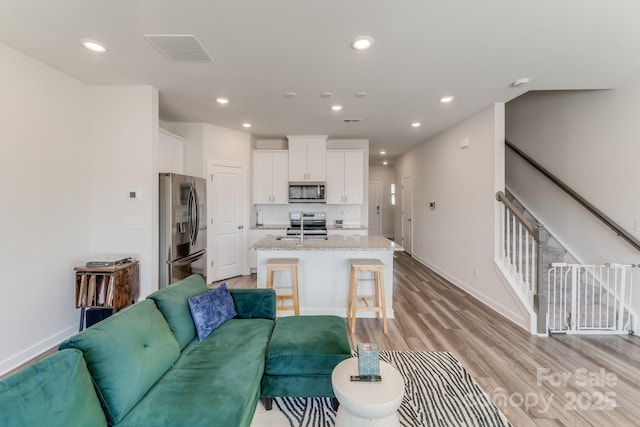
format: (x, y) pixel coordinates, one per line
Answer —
(323, 274)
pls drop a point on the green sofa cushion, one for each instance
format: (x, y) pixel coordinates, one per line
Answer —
(56, 391)
(297, 386)
(307, 345)
(254, 303)
(126, 354)
(173, 303)
(215, 382)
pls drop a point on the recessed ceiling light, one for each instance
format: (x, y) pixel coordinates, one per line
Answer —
(94, 46)
(360, 94)
(336, 107)
(382, 152)
(362, 43)
(416, 124)
(326, 95)
(246, 125)
(447, 99)
(290, 95)
(222, 100)
(385, 163)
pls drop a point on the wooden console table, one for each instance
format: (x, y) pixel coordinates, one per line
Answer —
(106, 287)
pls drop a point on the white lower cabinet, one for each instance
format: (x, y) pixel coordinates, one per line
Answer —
(257, 235)
(347, 232)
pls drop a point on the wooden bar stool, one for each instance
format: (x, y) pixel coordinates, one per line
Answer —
(376, 267)
(290, 265)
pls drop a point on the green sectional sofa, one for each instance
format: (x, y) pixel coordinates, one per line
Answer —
(145, 366)
(149, 368)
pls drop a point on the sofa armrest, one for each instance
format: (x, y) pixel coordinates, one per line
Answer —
(55, 391)
(254, 303)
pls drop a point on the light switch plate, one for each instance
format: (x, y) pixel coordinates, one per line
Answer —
(135, 194)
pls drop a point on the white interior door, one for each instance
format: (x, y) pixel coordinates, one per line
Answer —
(225, 195)
(407, 214)
(375, 206)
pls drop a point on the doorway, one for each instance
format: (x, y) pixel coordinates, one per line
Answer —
(407, 214)
(226, 195)
(375, 203)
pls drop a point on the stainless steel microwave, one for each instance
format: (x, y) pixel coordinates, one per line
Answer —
(307, 192)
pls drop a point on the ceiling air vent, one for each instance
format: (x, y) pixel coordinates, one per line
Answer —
(348, 121)
(179, 48)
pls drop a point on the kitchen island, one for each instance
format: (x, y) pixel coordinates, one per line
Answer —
(324, 268)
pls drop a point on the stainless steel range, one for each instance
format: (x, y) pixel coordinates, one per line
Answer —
(312, 223)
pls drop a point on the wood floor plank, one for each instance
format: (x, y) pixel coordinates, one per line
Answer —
(513, 367)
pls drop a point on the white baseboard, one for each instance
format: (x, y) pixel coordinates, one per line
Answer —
(35, 350)
(514, 317)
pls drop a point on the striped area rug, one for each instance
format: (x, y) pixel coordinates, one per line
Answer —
(438, 392)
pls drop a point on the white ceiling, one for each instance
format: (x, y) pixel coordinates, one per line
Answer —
(423, 49)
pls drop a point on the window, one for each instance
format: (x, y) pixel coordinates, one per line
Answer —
(393, 194)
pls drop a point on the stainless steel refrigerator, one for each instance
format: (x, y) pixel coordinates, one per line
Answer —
(183, 227)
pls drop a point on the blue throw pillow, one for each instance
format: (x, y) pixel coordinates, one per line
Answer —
(211, 309)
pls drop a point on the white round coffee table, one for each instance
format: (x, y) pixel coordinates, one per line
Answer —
(367, 403)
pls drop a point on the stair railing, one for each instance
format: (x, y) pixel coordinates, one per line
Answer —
(590, 299)
(520, 253)
(578, 198)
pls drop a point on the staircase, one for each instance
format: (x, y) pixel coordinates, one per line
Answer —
(579, 298)
(590, 298)
(552, 250)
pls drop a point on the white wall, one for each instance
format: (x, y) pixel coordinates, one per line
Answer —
(386, 176)
(458, 238)
(124, 146)
(228, 145)
(45, 205)
(68, 157)
(590, 141)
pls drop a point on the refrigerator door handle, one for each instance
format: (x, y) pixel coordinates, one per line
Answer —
(188, 259)
(196, 211)
(192, 214)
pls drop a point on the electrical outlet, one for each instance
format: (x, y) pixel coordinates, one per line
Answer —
(636, 226)
(134, 223)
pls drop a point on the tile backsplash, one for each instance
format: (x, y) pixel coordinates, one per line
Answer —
(279, 214)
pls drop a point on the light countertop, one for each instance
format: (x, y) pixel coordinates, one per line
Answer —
(270, 227)
(346, 227)
(285, 226)
(332, 243)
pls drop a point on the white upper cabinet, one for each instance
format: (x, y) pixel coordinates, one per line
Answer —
(308, 158)
(345, 180)
(270, 177)
(170, 152)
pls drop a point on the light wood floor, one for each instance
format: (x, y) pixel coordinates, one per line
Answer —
(537, 381)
